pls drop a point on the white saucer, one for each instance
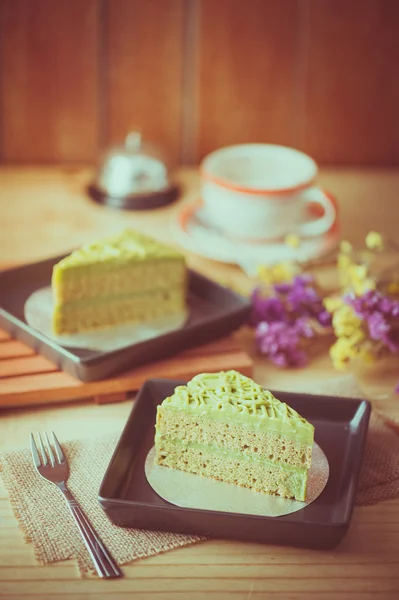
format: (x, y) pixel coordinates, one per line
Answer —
(193, 231)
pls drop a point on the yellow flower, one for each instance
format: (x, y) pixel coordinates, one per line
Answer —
(332, 303)
(356, 337)
(353, 276)
(346, 348)
(364, 286)
(344, 262)
(358, 272)
(345, 322)
(279, 273)
(374, 241)
(357, 278)
(360, 286)
(341, 352)
(345, 247)
(292, 240)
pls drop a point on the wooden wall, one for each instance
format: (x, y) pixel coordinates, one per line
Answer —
(320, 75)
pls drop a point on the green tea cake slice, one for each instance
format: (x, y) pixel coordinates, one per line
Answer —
(128, 277)
(223, 425)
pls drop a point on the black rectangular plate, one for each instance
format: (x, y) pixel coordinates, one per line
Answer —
(340, 429)
(214, 312)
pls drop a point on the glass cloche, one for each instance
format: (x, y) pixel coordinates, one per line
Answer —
(133, 175)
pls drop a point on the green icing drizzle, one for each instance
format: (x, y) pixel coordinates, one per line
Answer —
(228, 395)
(125, 246)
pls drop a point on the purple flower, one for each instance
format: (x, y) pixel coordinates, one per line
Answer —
(282, 288)
(381, 330)
(305, 301)
(283, 321)
(301, 298)
(395, 309)
(288, 302)
(281, 342)
(304, 328)
(371, 299)
(302, 280)
(371, 302)
(378, 326)
(356, 303)
(386, 305)
(267, 308)
(375, 310)
(324, 318)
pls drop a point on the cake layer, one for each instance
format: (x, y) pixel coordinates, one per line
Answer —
(106, 311)
(91, 281)
(233, 468)
(233, 436)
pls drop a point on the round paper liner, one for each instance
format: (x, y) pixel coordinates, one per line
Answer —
(195, 491)
(38, 312)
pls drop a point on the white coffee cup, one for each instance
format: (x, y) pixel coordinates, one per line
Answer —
(262, 191)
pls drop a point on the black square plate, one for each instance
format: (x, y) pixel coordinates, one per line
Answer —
(340, 429)
(214, 311)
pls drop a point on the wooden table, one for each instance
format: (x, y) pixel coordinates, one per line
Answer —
(44, 211)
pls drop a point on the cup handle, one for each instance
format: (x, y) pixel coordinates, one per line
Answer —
(316, 195)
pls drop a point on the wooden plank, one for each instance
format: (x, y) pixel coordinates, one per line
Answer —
(25, 366)
(58, 386)
(110, 398)
(290, 584)
(14, 349)
(179, 571)
(352, 88)
(4, 335)
(222, 346)
(247, 73)
(144, 57)
(43, 388)
(49, 80)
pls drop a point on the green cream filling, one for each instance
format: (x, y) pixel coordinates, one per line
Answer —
(229, 396)
(169, 442)
(71, 304)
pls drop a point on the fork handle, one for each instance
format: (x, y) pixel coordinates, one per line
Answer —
(103, 561)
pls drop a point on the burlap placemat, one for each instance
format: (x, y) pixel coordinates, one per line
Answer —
(45, 520)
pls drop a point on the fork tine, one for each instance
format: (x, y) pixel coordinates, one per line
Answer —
(43, 452)
(35, 454)
(50, 450)
(58, 449)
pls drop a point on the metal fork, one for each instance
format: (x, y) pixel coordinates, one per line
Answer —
(55, 470)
